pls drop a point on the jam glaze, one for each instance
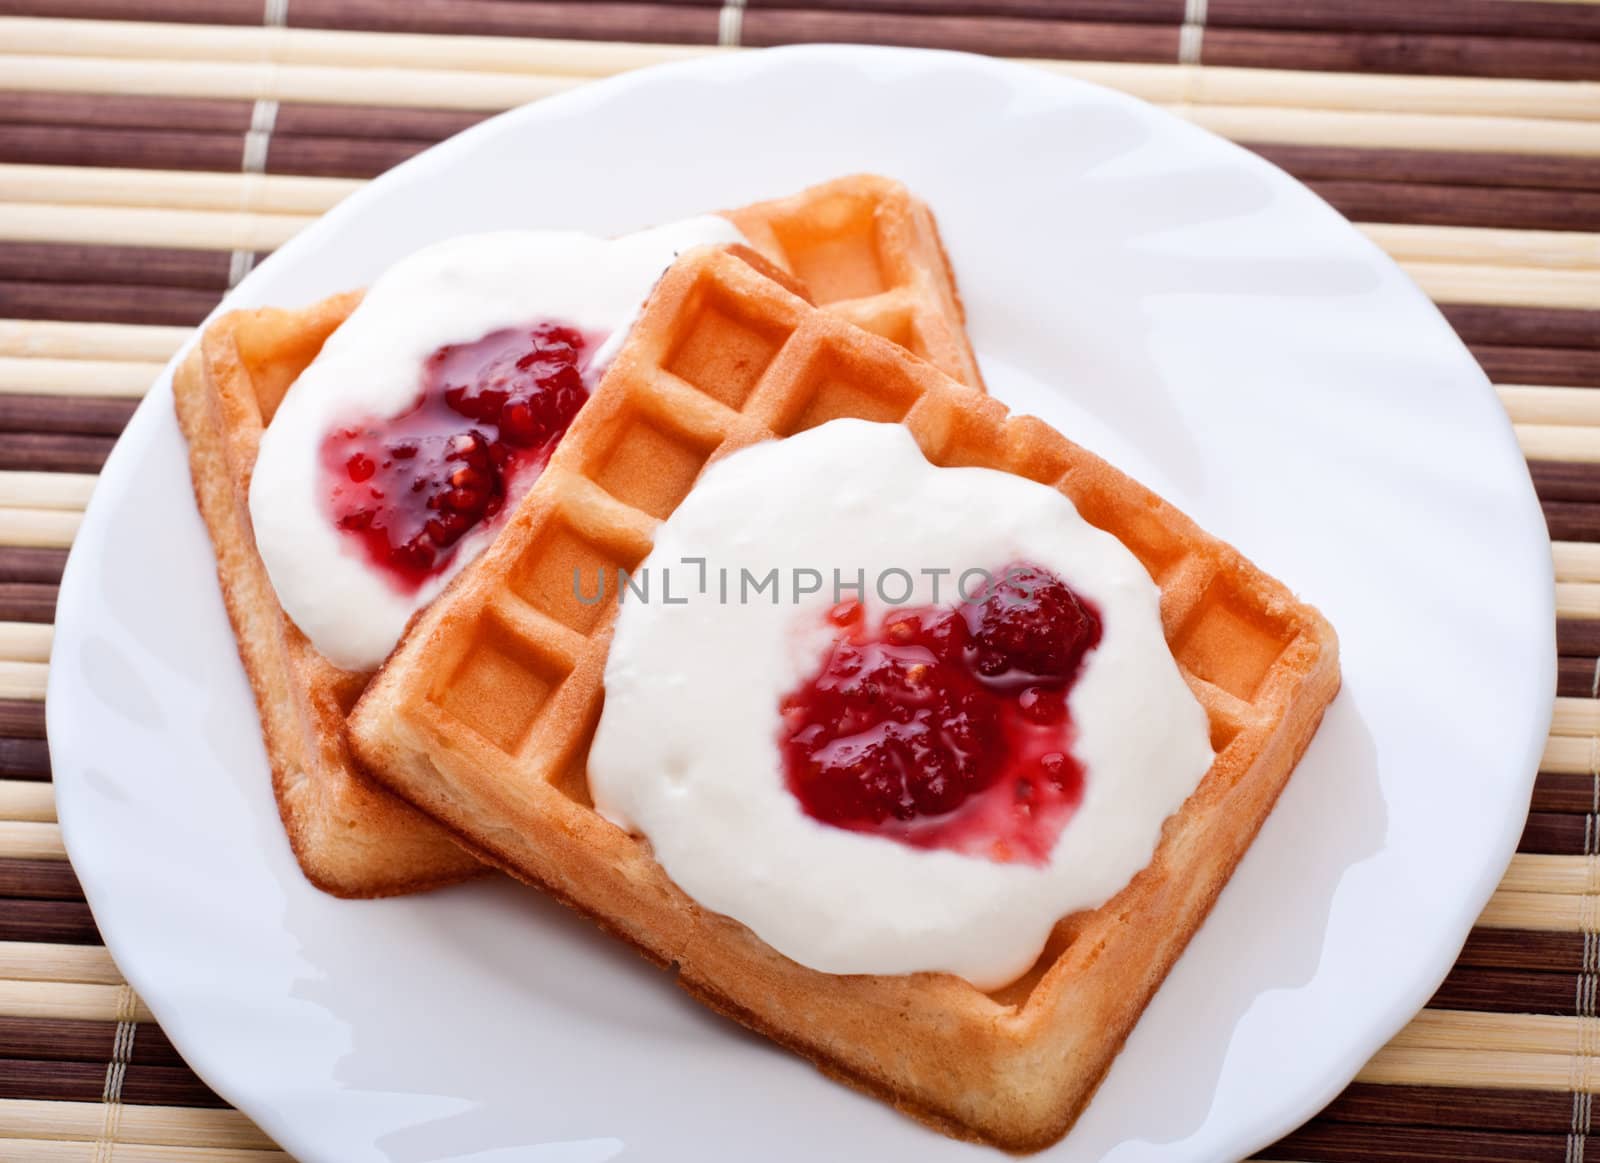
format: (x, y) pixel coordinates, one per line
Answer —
(948, 727)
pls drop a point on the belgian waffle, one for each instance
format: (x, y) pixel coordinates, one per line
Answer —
(866, 239)
(483, 716)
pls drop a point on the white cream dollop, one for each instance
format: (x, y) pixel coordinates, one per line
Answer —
(687, 750)
(455, 291)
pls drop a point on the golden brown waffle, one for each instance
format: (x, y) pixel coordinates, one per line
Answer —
(869, 251)
(351, 837)
(484, 715)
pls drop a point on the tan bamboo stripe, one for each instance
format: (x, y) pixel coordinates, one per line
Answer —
(116, 342)
(78, 1151)
(144, 226)
(1395, 130)
(1514, 1033)
(1576, 560)
(40, 961)
(165, 1126)
(38, 528)
(1570, 756)
(1435, 1066)
(1532, 872)
(43, 36)
(172, 189)
(71, 1000)
(26, 840)
(128, 379)
(1505, 286)
(26, 641)
(1535, 404)
(587, 59)
(1546, 249)
(264, 81)
(1546, 912)
(1453, 282)
(23, 680)
(22, 799)
(45, 490)
(486, 91)
(1576, 717)
(1578, 599)
(1578, 443)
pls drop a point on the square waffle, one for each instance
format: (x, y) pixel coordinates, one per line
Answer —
(483, 716)
(866, 239)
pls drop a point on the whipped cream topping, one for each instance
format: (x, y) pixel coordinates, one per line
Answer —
(687, 750)
(455, 291)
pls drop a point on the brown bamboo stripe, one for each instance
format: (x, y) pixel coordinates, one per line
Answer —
(58, 1081)
(1328, 1142)
(1524, 326)
(1477, 17)
(52, 262)
(53, 452)
(1575, 678)
(1558, 366)
(1557, 481)
(86, 416)
(112, 303)
(1564, 792)
(1524, 949)
(1507, 991)
(1451, 1107)
(1555, 833)
(64, 1040)
(31, 565)
(665, 24)
(1313, 163)
(1577, 636)
(27, 602)
(1444, 55)
(1440, 205)
(64, 922)
(48, 880)
(21, 718)
(24, 759)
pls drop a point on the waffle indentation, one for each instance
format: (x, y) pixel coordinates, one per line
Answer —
(651, 468)
(836, 253)
(724, 353)
(499, 686)
(1230, 641)
(568, 577)
(838, 385)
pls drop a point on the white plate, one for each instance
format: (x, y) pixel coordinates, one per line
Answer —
(1161, 296)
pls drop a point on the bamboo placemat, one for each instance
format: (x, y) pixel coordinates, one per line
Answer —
(151, 152)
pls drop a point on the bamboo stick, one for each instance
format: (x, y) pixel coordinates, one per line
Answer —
(22, 799)
(40, 528)
(336, 48)
(39, 961)
(1153, 82)
(1395, 130)
(23, 680)
(71, 1000)
(143, 226)
(172, 189)
(26, 840)
(1570, 756)
(1576, 717)
(1576, 560)
(1546, 249)
(1555, 874)
(117, 342)
(80, 1151)
(244, 81)
(1533, 404)
(1433, 1066)
(1515, 1033)
(25, 641)
(1545, 912)
(164, 1126)
(126, 379)
(1578, 599)
(1507, 286)
(46, 490)
(1579, 444)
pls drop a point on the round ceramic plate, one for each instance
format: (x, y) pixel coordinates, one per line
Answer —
(1159, 295)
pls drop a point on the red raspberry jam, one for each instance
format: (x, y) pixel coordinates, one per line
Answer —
(487, 418)
(948, 727)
